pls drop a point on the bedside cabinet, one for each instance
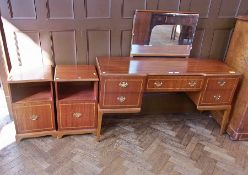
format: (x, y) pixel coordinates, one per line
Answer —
(76, 90)
(32, 101)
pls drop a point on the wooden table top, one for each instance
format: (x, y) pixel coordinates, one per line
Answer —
(30, 74)
(162, 66)
(75, 73)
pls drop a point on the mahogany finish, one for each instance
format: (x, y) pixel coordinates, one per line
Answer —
(76, 99)
(121, 91)
(75, 73)
(174, 83)
(30, 74)
(32, 101)
(126, 66)
(217, 91)
(33, 117)
(209, 83)
(237, 57)
(69, 120)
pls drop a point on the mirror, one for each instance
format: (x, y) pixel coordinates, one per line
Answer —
(160, 33)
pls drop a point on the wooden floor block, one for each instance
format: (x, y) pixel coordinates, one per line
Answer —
(131, 144)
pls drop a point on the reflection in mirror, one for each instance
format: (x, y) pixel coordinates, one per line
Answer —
(162, 35)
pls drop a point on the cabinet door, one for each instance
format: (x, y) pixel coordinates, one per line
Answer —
(77, 116)
(33, 117)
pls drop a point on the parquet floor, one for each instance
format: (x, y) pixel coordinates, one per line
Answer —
(135, 145)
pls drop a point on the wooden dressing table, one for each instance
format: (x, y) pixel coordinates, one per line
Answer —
(209, 83)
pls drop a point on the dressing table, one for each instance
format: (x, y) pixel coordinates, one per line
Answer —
(164, 68)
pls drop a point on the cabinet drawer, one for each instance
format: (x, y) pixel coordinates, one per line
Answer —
(122, 100)
(174, 83)
(216, 97)
(124, 85)
(77, 115)
(33, 117)
(217, 83)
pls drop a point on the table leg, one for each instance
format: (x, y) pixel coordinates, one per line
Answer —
(225, 120)
(99, 125)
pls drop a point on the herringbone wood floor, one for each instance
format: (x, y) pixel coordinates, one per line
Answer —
(151, 144)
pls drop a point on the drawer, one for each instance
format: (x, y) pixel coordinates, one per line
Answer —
(33, 117)
(122, 100)
(221, 83)
(217, 97)
(77, 115)
(124, 85)
(174, 83)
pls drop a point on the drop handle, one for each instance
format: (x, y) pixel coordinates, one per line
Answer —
(34, 117)
(77, 114)
(192, 83)
(217, 97)
(158, 83)
(221, 82)
(121, 99)
(123, 84)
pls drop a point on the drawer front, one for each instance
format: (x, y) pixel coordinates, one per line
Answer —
(122, 100)
(77, 116)
(218, 83)
(219, 90)
(124, 85)
(174, 83)
(33, 117)
(217, 97)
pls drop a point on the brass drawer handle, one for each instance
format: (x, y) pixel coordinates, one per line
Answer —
(217, 97)
(121, 99)
(123, 84)
(34, 117)
(221, 82)
(77, 114)
(158, 83)
(192, 83)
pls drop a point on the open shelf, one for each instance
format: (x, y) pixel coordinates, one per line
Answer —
(30, 92)
(75, 91)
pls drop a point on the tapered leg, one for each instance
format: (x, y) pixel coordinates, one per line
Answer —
(99, 125)
(225, 120)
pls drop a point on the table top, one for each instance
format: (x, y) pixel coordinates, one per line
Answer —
(30, 74)
(75, 73)
(162, 66)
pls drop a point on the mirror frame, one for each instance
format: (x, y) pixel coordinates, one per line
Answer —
(143, 23)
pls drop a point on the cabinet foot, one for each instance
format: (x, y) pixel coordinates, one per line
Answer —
(20, 137)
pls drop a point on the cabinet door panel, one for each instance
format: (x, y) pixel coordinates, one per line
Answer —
(77, 116)
(33, 117)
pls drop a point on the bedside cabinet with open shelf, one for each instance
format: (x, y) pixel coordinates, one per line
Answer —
(32, 101)
(76, 90)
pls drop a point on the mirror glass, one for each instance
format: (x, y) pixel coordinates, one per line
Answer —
(162, 35)
(166, 33)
